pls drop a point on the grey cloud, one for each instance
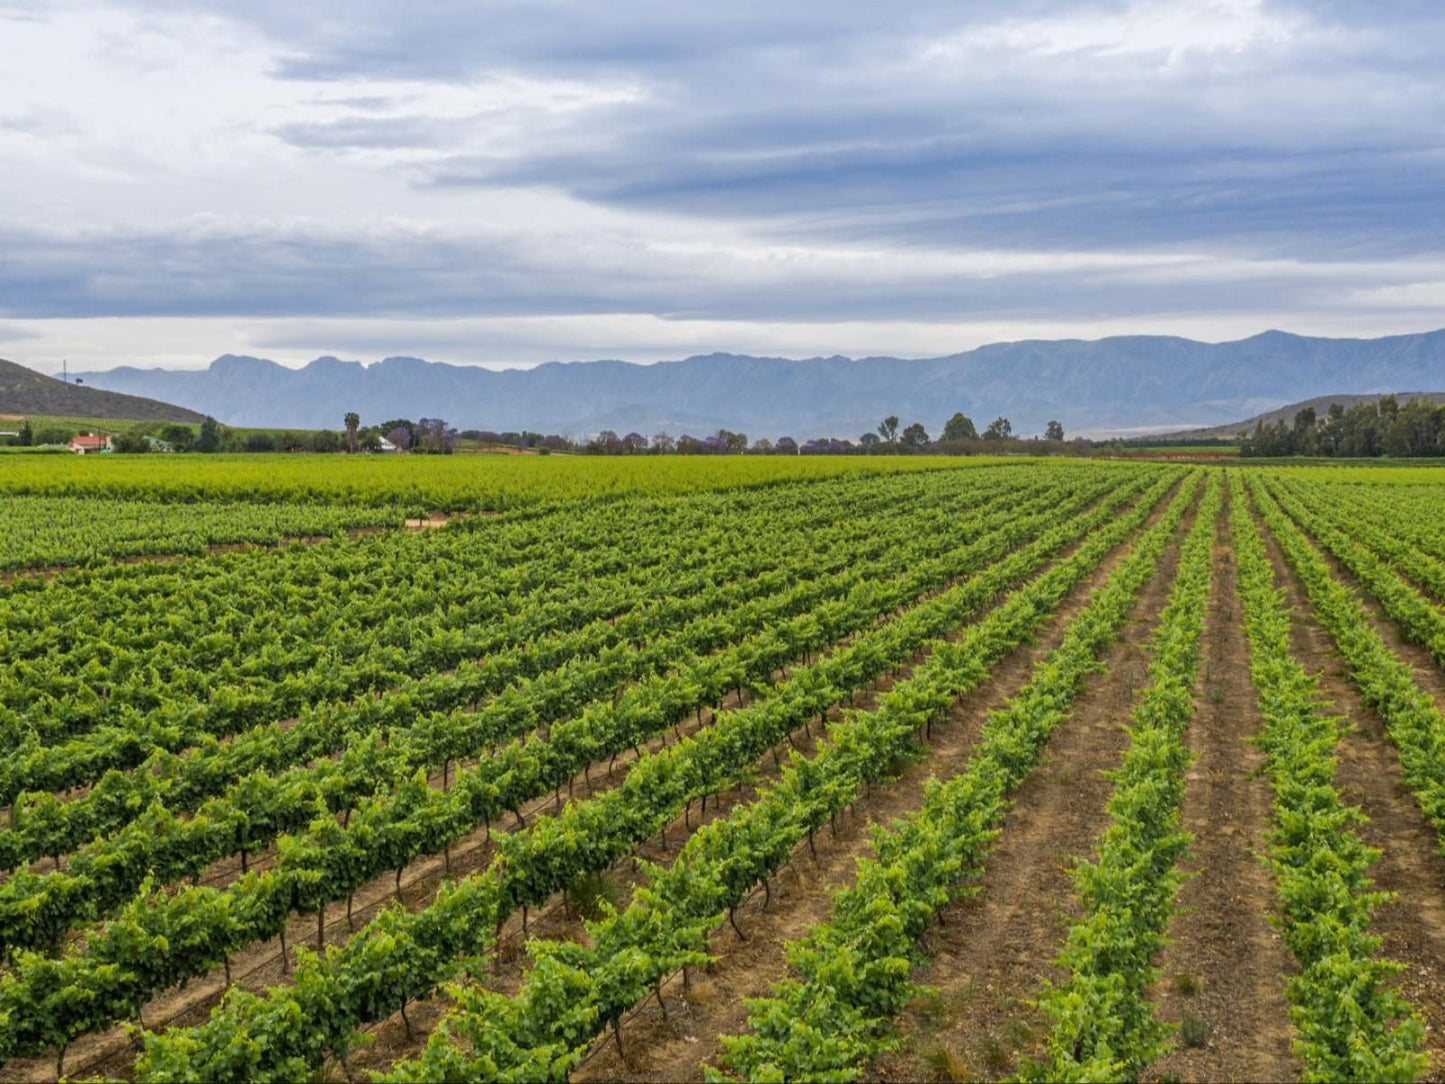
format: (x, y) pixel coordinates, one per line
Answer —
(816, 123)
(282, 274)
(392, 133)
(820, 119)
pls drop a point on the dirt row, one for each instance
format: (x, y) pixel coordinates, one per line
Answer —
(987, 953)
(1222, 977)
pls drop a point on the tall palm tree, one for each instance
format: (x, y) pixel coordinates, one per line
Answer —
(353, 422)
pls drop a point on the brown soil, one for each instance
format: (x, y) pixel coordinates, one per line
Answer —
(1227, 962)
(675, 1048)
(992, 950)
(1412, 925)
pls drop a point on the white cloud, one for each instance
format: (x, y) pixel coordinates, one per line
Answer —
(1169, 30)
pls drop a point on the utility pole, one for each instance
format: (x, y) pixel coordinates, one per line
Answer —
(65, 370)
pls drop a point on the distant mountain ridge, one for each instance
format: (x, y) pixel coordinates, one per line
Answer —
(25, 392)
(1129, 382)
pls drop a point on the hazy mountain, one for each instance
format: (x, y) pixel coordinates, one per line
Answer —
(1111, 384)
(25, 392)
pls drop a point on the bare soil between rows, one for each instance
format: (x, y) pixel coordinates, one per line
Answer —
(992, 950)
(1225, 968)
(1412, 924)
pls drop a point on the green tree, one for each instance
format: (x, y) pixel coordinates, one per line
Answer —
(888, 429)
(27, 434)
(53, 434)
(959, 427)
(915, 437)
(325, 440)
(210, 438)
(999, 429)
(736, 443)
(178, 436)
(131, 442)
(353, 422)
(1053, 431)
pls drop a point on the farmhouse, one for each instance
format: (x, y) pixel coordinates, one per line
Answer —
(86, 443)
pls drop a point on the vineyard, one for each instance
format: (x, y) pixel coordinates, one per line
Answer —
(876, 768)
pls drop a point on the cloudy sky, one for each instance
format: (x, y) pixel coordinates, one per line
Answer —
(512, 182)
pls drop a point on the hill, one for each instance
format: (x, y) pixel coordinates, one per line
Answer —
(1127, 382)
(1321, 404)
(25, 392)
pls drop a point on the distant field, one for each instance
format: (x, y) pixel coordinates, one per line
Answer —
(87, 425)
(447, 483)
(1212, 451)
(1380, 471)
(1376, 476)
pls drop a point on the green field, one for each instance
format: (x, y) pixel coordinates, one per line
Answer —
(444, 483)
(669, 767)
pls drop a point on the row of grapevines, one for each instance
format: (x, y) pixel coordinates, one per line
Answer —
(189, 691)
(51, 1001)
(1352, 1025)
(78, 530)
(1411, 514)
(667, 923)
(531, 685)
(401, 956)
(1417, 618)
(36, 909)
(1391, 532)
(450, 483)
(92, 643)
(1413, 721)
(855, 968)
(175, 723)
(1103, 1027)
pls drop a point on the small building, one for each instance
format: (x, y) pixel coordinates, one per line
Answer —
(88, 444)
(384, 445)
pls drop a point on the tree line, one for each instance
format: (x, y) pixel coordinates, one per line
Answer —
(1383, 428)
(960, 436)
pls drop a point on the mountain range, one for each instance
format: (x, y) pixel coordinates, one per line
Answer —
(1122, 384)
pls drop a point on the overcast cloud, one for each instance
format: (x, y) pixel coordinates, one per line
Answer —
(505, 183)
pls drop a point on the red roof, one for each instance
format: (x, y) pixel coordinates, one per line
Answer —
(85, 440)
